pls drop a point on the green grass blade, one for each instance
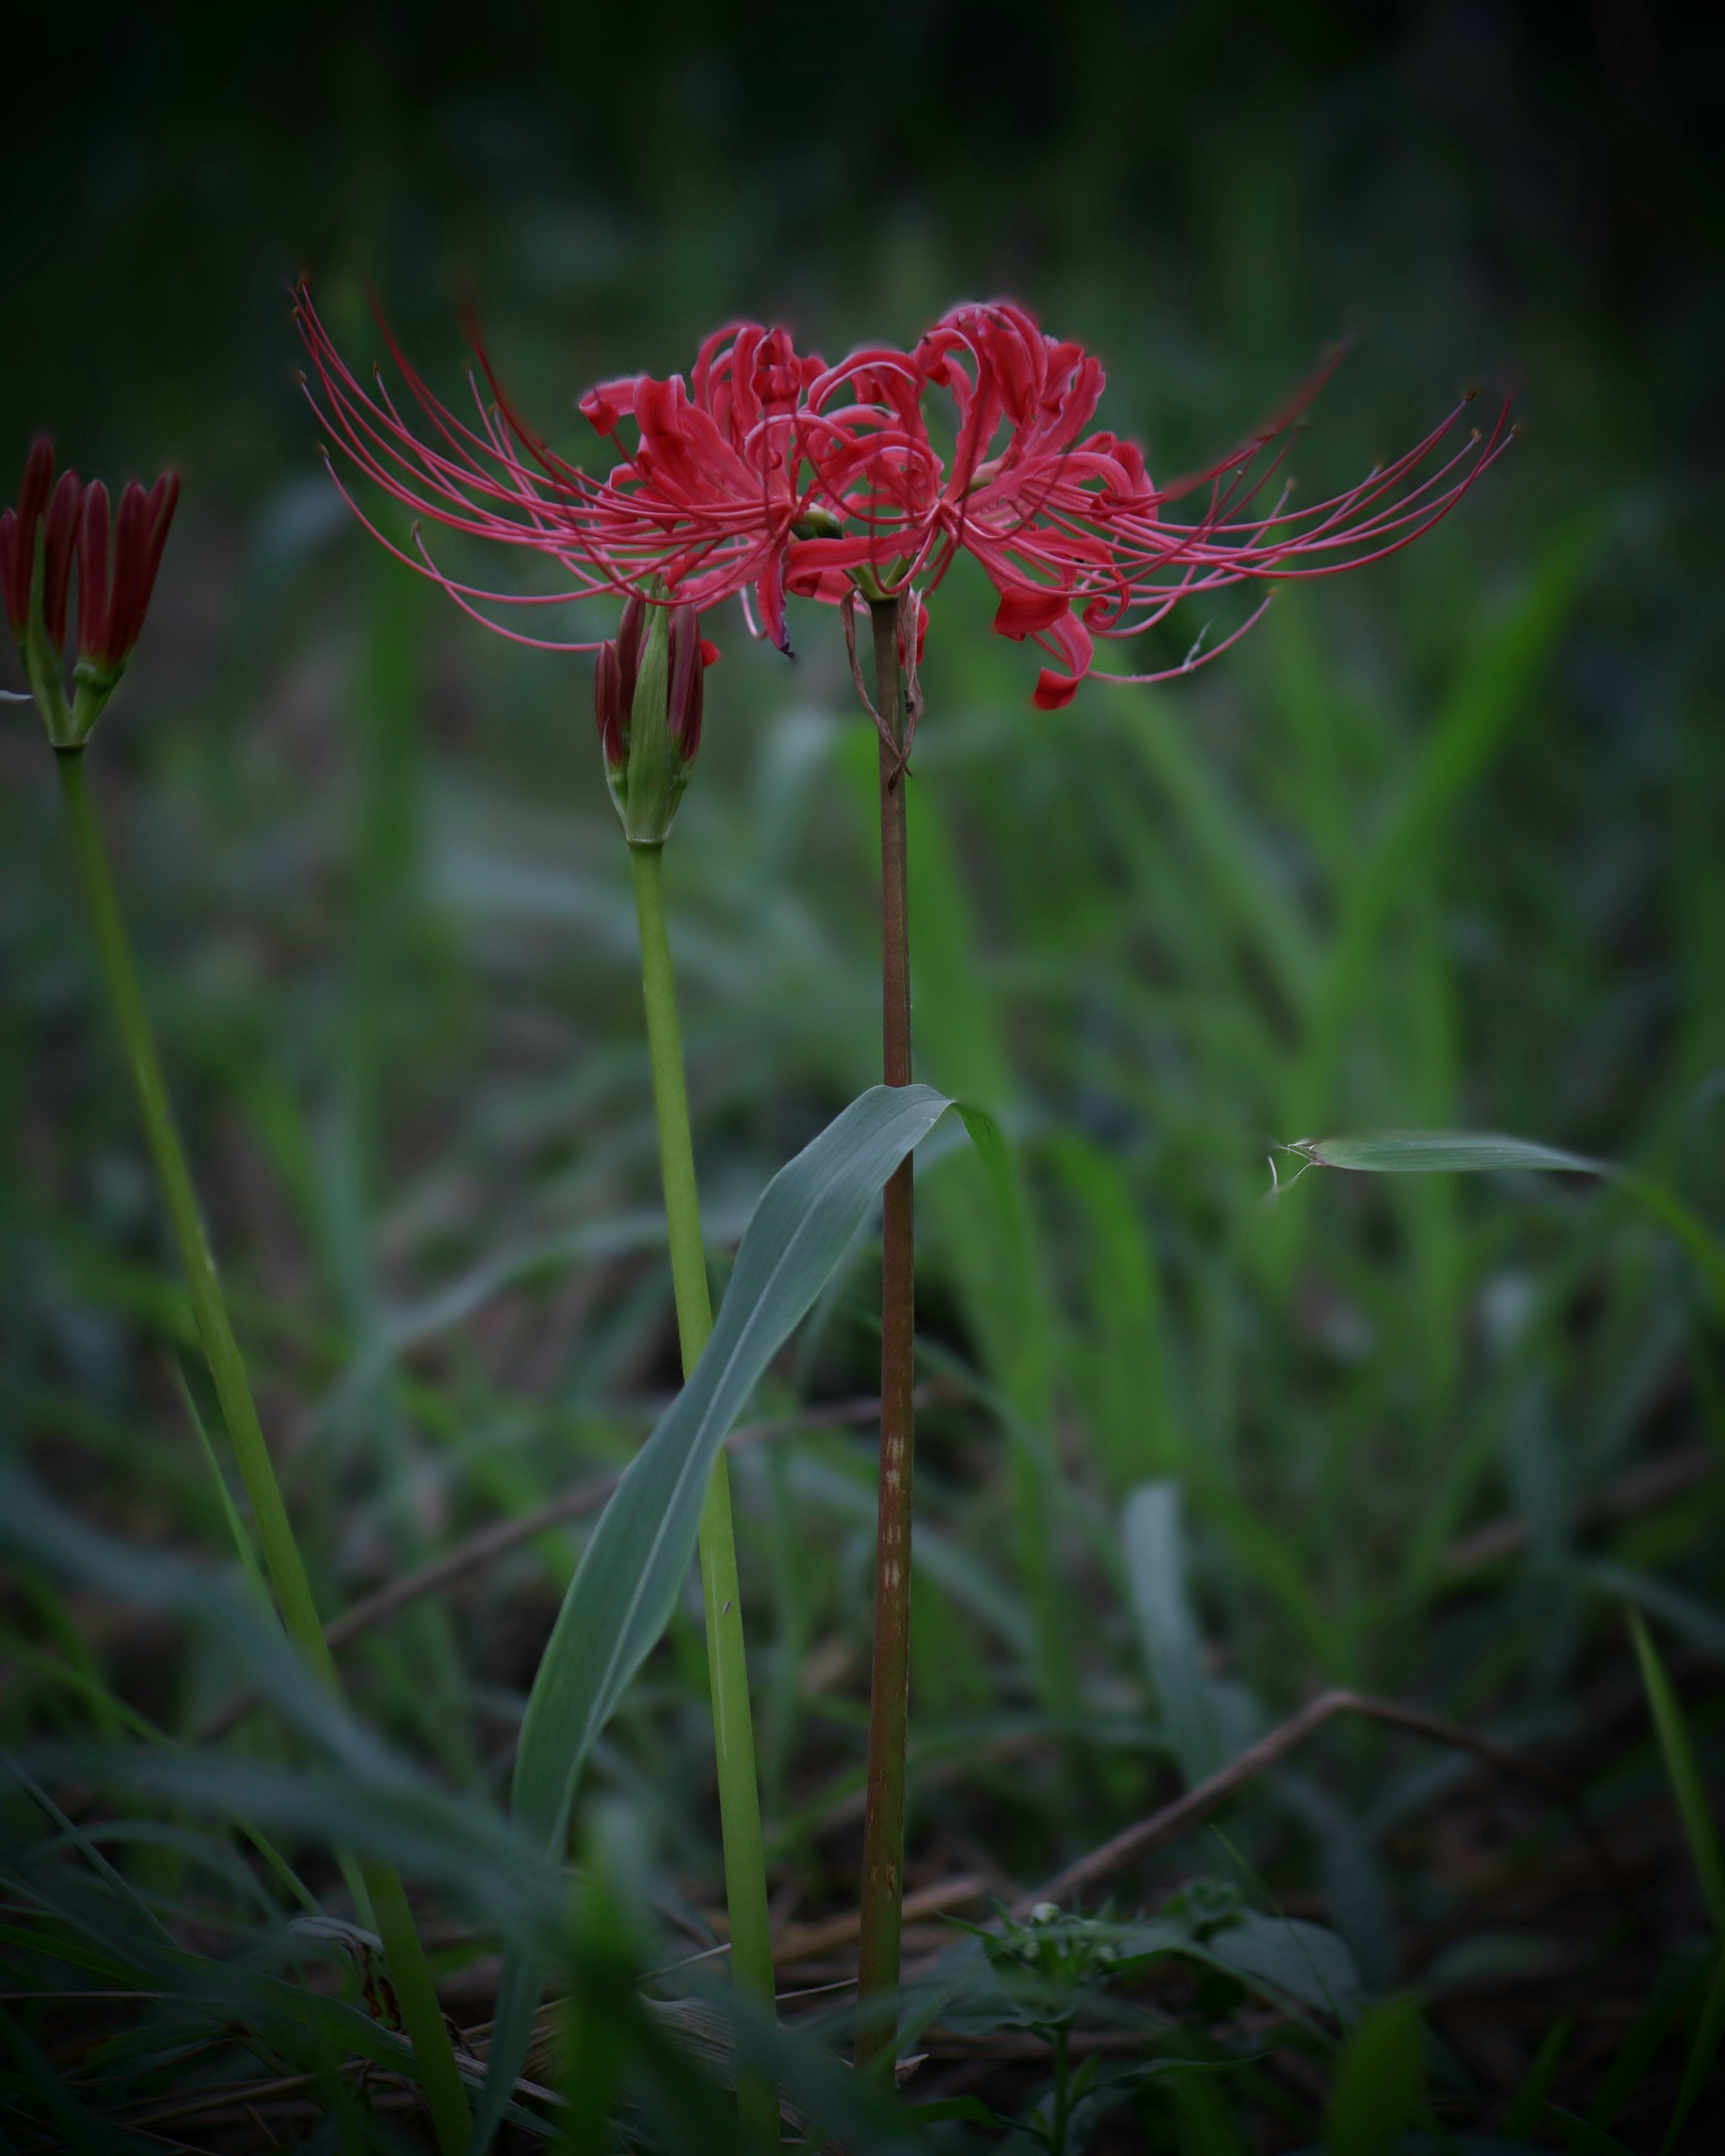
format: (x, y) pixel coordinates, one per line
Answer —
(1232, 855)
(1698, 1621)
(1202, 2114)
(1671, 1989)
(1494, 687)
(1379, 2081)
(230, 1512)
(1439, 1153)
(1155, 1565)
(1529, 2102)
(1681, 1766)
(1119, 1362)
(1451, 1153)
(1709, 2028)
(1579, 2135)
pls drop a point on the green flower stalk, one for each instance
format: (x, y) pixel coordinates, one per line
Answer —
(38, 543)
(647, 695)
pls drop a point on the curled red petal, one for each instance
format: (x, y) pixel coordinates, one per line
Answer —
(1071, 640)
(1029, 611)
(606, 404)
(769, 591)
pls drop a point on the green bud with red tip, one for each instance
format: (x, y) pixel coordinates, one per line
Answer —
(646, 701)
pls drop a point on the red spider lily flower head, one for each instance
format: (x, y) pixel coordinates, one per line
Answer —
(52, 527)
(1069, 528)
(715, 469)
(727, 485)
(647, 700)
(768, 473)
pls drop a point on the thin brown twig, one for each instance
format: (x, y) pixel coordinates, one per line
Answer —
(1197, 1804)
(502, 1536)
(847, 615)
(809, 1941)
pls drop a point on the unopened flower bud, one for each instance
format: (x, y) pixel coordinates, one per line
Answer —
(647, 702)
(18, 535)
(52, 527)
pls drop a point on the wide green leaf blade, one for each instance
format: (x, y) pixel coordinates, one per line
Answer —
(634, 1564)
(634, 1567)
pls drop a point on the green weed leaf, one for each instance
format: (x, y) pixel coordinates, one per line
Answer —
(1681, 1766)
(1450, 1152)
(1432, 1153)
(1704, 2047)
(1155, 1567)
(1379, 2082)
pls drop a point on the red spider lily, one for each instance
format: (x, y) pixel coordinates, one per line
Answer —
(54, 526)
(771, 473)
(734, 481)
(704, 507)
(1069, 527)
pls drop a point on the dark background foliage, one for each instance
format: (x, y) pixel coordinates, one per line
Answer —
(1439, 845)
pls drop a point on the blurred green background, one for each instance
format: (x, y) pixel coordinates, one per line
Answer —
(1440, 845)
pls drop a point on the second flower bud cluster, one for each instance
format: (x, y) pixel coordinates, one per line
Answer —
(647, 697)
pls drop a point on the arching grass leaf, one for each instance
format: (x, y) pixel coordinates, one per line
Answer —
(1449, 1153)
(1428, 1152)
